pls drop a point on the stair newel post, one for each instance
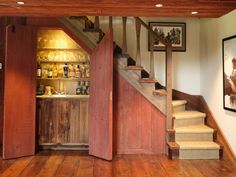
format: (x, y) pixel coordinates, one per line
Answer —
(138, 31)
(110, 21)
(124, 45)
(152, 69)
(169, 78)
(96, 22)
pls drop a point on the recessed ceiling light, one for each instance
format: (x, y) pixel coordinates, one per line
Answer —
(158, 5)
(195, 12)
(20, 2)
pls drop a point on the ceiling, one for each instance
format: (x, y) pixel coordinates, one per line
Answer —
(171, 8)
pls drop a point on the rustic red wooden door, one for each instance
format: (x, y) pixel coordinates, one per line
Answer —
(100, 101)
(19, 93)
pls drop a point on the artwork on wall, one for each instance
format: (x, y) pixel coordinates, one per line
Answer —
(175, 29)
(229, 73)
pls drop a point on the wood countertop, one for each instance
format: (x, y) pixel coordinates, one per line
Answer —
(63, 96)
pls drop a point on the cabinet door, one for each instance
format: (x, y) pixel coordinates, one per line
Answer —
(19, 92)
(100, 101)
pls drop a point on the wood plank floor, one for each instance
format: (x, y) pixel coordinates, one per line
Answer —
(78, 164)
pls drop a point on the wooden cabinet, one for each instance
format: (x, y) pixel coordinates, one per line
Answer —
(62, 122)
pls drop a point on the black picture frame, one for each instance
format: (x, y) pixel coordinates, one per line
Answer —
(229, 73)
(178, 31)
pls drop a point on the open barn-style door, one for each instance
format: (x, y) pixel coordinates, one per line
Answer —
(19, 92)
(100, 101)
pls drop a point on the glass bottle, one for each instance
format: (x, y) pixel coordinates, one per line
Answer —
(65, 69)
(39, 70)
(54, 71)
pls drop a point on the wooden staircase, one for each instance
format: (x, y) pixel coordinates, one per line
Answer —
(187, 135)
(190, 138)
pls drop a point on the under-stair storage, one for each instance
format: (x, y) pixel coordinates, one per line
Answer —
(62, 91)
(190, 138)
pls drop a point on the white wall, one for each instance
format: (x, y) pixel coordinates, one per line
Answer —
(186, 64)
(212, 33)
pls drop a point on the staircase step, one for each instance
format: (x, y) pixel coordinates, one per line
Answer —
(139, 68)
(147, 80)
(160, 92)
(194, 133)
(198, 150)
(188, 118)
(178, 105)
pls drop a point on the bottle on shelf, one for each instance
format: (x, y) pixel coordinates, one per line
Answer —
(82, 69)
(65, 69)
(45, 71)
(78, 72)
(54, 71)
(71, 71)
(39, 70)
(78, 88)
(60, 71)
(50, 71)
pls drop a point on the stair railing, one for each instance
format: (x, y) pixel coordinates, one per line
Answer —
(169, 68)
(166, 40)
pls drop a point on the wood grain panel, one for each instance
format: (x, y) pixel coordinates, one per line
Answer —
(100, 101)
(171, 8)
(19, 92)
(63, 121)
(140, 126)
(2, 56)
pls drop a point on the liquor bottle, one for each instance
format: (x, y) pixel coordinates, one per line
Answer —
(78, 72)
(39, 70)
(65, 68)
(60, 71)
(71, 71)
(50, 71)
(78, 89)
(54, 71)
(82, 69)
(45, 71)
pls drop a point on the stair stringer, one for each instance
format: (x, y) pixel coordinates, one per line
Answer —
(77, 26)
(158, 101)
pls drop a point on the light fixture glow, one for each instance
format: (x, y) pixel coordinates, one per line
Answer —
(20, 2)
(195, 12)
(159, 5)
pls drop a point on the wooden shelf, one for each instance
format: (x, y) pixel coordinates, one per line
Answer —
(59, 49)
(65, 79)
(63, 62)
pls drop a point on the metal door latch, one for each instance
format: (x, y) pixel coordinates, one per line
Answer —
(1, 66)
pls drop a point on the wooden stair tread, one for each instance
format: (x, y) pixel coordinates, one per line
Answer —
(198, 145)
(194, 129)
(188, 115)
(178, 102)
(136, 68)
(147, 80)
(161, 92)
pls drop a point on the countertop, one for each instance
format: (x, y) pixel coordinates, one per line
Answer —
(63, 96)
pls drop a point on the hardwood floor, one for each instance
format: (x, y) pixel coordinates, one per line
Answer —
(78, 164)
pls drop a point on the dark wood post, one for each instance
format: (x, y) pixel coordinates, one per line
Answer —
(169, 86)
(138, 30)
(152, 69)
(124, 45)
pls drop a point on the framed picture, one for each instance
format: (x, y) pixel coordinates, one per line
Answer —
(229, 73)
(175, 29)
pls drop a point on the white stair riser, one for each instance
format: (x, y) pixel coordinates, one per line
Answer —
(134, 74)
(187, 122)
(193, 136)
(199, 154)
(179, 108)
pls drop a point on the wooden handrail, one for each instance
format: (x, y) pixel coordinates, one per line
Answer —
(162, 40)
